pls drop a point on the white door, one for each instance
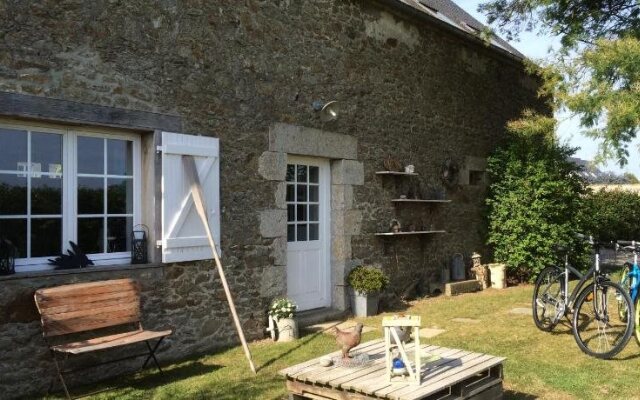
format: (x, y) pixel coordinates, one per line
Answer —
(308, 224)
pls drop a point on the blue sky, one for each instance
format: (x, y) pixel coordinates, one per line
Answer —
(536, 47)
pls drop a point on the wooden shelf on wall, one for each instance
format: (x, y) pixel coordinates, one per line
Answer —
(420, 201)
(409, 233)
(396, 173)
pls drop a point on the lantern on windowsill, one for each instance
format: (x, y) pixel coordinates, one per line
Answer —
(7, 257)
(139, 244)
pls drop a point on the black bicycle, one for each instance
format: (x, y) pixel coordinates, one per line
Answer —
(599, 329)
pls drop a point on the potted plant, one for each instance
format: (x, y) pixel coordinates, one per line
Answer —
(283, 311)
(367, 283)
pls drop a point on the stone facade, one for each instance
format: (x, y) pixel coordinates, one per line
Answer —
(247, 73)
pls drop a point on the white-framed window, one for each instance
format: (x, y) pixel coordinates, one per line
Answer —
(61, 184)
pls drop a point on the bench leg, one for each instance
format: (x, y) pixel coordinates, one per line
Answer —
(152, 354)
(59, 369)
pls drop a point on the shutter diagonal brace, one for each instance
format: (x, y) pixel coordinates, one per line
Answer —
(198, 199)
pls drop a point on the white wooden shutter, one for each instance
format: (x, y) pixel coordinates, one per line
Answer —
(183, 234)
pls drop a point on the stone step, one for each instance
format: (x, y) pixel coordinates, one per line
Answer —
(454, 288)
(318, 315)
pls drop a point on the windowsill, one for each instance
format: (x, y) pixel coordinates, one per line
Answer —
(99, 268)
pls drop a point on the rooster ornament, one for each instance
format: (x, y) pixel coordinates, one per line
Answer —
(348, 340)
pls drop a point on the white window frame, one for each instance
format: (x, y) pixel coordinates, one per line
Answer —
(69, 189)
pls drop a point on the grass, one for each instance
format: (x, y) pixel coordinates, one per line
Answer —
(539, 365)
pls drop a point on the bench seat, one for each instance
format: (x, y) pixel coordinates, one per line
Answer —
(106, 342)
(89, 307)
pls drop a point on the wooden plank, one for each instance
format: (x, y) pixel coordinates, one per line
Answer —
(336, 378)
(89, 323)
(376, 386)
(361, 374)
(62, 305)
(317, 392)
(120, 339)
(321, 374)
(89, 313)
(396, 173)
(377, 377)
(420, 201)
(408, 233)
(449, 378)
(314, 364)
(28, 106)
(78, 289)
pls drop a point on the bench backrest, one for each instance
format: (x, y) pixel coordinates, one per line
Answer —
(87, 306)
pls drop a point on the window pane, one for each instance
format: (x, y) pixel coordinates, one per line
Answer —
(302, 173)
(291, 189)
(291, 173)
(13, 194)
(314, 232)
(15, 230)
(14, 148)
(302, 212)
(90, 155)
(302, 192)
(313, 193)
(90, 235)
(46, 195)
(314, 173)
(291, 212)
(291, 233)
(119, 196)
(46, 237)
(46, 150)
(119, 157)
(302, 232)
(119, 234)
(90, 196)
(313, 212)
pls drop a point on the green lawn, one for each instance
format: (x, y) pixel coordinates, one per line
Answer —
(539, 365)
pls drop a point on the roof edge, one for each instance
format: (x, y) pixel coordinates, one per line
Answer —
(413, 11)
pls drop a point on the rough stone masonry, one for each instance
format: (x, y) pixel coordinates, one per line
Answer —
(247, 72)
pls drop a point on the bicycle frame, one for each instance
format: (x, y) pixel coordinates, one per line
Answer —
(633, 275)
(594, 271)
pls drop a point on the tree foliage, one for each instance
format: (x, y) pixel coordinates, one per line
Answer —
(534, 198)
(595, 74)
(612, 215)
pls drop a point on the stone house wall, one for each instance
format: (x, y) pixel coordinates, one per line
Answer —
(245, 72)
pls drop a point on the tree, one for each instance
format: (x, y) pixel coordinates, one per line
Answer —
(534, 198)
(611, 215)
(596, 72)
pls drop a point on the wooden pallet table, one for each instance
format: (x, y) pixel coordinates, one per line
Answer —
(448, 374)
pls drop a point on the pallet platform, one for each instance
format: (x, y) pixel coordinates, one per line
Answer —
(453, 374)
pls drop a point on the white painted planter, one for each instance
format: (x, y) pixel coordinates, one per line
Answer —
(287, 329)
(364, 305)
(498, 279)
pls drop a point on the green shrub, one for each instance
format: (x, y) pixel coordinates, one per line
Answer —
(367, 280)
(534, 199)
(611, 215)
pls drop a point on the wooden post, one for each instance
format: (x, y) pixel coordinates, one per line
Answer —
(198, 199)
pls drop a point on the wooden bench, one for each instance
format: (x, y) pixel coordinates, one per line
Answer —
(86, 307)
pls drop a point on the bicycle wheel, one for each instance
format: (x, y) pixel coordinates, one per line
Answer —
(597, 326)
(624, 282)
(548, 298)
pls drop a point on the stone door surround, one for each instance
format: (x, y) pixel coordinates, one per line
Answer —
(346, 172)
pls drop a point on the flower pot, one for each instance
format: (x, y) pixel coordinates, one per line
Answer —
(497, 274)
(287, 329)
(364, 305)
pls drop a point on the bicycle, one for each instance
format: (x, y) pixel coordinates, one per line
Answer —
(596, 324)
(630, 280)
